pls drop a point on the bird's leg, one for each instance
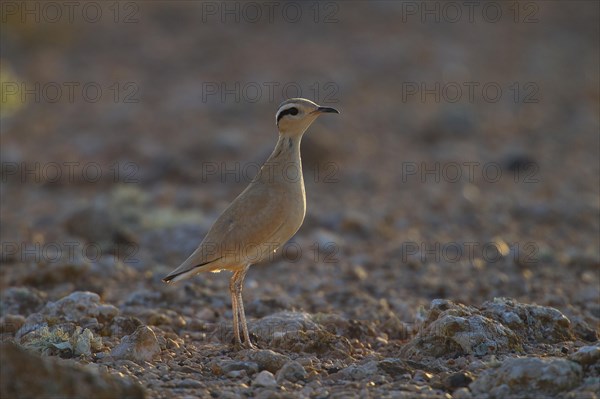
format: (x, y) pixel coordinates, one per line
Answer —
(234, 308)
(239, 285)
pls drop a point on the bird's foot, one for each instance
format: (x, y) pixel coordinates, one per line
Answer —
(238, 346)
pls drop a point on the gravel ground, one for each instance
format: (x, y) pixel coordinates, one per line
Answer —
(450, 247)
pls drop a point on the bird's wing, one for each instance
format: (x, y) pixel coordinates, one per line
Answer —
(247, 226)
(251, 220)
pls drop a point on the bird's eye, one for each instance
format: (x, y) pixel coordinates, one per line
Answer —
(289, 111)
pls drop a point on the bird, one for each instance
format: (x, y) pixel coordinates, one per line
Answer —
(261, 218)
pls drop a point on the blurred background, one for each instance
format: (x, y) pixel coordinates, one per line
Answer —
(464, 164)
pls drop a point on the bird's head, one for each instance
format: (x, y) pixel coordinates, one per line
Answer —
(295, 115)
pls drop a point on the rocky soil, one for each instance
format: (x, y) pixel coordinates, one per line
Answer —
(407, 280)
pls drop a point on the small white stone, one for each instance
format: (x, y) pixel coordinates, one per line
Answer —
(292, 371)
(140, 346)
(586, 355)
(462, 393)
(265, 379)
(236, 374)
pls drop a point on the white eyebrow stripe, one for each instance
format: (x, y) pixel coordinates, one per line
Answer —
(283, 109)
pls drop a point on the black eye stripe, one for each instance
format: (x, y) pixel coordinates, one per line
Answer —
(289, 111)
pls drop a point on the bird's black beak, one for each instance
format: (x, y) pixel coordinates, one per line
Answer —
(328, 110)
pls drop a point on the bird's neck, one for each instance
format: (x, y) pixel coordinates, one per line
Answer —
(287, 149)
(284, 164)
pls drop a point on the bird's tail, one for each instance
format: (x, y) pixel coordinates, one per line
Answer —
(188, 269)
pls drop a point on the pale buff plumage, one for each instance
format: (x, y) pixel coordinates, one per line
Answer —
(263, 217)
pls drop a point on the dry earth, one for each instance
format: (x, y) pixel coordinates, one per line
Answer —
(450, 248)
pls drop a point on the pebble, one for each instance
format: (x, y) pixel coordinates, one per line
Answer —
(25, 375)
(530, 322)
(265, 379)
(189, 383)
(226, 366)
(21, 301)
(421, 377)
(79, 305)
(292, 371)
(141, 346)
(528, 376)
(237, 374)
(586, 355)
(462, 393)
(458, 380)
(358, 372)
(267, 359)
(11, 323)
(455, 329)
